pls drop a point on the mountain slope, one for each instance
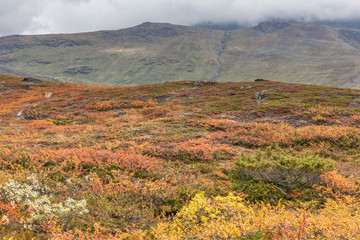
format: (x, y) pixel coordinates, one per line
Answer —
(143, 54)
(297, 53)
(154, 52)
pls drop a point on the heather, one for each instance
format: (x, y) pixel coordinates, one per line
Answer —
(181, 160)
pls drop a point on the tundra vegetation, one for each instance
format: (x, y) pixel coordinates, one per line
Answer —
(181, 160)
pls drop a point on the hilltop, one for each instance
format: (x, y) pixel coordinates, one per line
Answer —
(178, 159)
(159, 52)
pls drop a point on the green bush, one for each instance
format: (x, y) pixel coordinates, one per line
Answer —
(286, 169)
(258, 191)
(63, 121)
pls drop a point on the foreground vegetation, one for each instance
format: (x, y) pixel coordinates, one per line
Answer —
(184, 160)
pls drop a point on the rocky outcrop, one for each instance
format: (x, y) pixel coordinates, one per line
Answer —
(40, 61)
(57, 42)
(351, 37)
(79, 70)
(261, 80)
(12, 43)
(148, 29)
(271, 26)
(31, 80)
(6, 60)
(260, 95)
(219, 26)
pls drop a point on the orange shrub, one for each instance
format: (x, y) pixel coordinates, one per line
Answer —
(201, 149)
(142, 104)
(252, 134)
(104, 105)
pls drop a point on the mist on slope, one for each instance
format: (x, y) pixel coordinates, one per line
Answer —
(64, 16)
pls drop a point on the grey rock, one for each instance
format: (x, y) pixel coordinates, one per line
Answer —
(260, 95)
(31, 80)
(79, 70)
(20, 115)
(247, 87)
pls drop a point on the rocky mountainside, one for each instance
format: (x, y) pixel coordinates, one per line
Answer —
(156, 52)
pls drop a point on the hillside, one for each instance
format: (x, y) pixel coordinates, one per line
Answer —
(177, 160)
(297, 53)
(147, 53)
(156, 52)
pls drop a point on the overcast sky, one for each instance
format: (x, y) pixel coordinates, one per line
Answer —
(66, 16)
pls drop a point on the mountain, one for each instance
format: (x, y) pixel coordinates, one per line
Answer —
(157, 52)
(298, 53)
(349, 24)
(178, 160)
(143, 54)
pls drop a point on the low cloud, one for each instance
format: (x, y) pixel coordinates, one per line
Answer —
(65, 16)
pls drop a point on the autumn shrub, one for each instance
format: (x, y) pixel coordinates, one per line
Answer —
(193, 150)
(143, 104)
(108, 198)
(228, 217)
(285, 169)
(31, 204)
(256, 135)
(214, 124)
(272, 134)
(86, 160)
(203, 150)
(95, 232)
(355, 118)
(154, 112)
(344, 137)
(338, 186)
(78, 162)
(104, 105)
(323, 114)
(34, 113)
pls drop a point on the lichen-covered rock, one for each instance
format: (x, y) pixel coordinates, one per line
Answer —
(260, 95)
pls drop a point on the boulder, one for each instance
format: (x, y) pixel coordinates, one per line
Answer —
(31, 80)
(260, 95)
(20, 115)
(261, 80)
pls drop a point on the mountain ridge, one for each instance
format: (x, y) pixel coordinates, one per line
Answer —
(160, 52)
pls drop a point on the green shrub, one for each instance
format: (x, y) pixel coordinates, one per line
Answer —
(62, 121)
(258, 191)
(286, 169)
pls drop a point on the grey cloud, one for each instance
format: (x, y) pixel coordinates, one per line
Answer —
(63, 16)
(17, 15)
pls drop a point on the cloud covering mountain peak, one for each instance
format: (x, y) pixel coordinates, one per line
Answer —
(64, 16)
